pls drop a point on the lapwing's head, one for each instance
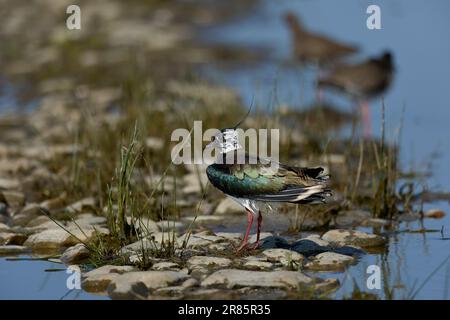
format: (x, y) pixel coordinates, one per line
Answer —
(226, 140)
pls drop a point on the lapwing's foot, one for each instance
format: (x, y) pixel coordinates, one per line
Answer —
(255, 245)
(243, 247)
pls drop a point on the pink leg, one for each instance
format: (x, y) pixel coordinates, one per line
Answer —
(257, 244)
(244, 243)
(367, 123)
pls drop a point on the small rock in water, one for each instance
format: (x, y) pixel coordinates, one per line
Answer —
(352, 237)
(329, 261)
(234, 278)
(208, 262)
(138, 284)
(13, 250)
(99, 282)
(75, 254)
(109, 269)
(50, 239)
(434, 214)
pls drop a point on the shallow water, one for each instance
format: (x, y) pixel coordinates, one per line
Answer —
(26, 279)
(415, 31)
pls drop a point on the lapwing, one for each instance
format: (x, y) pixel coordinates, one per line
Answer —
(260, 180)
(363, 81)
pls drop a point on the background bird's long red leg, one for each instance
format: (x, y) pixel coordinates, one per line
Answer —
(247, 232)
(367, 122)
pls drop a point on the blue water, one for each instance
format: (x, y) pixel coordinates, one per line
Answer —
(28, 280)
(416, 31)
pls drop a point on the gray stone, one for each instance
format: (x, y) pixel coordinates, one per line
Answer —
(13, 198)
(75, 254)
(160, 266)
(83, 204)
(8, 184)
(135, 285)
(11, 238)
(13, 250)
(109, 269)
(329, 261)
(98, 282)
(257, 265)
(169, 225)
(352, 237)
(284, 256)
(4, 227)
(233, 278)
(199, 240)
(208, 262)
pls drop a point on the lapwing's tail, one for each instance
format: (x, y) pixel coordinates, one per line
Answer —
(314, 188)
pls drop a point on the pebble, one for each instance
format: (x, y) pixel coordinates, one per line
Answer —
(13, 250)
(81, 205)
(234, 278)
(75, 254)
(13, 198)
(283, 256)
(257, 265)
(160, 266)
(352, 237)
(329, 261)
(207, 262)
(138, 284)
